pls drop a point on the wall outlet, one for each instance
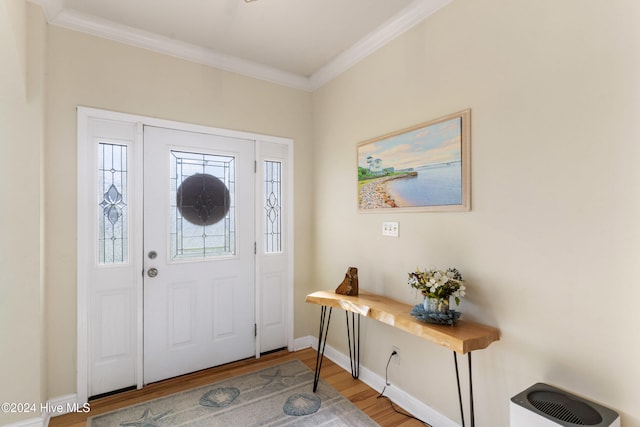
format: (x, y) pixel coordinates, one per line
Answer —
(395, 359)
(390, 228)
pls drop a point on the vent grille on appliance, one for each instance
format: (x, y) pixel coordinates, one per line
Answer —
(563, 408)
(544, 405)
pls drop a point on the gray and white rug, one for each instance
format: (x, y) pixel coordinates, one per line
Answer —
(281, 395)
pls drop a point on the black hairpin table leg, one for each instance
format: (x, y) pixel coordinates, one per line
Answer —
(473, 421)
(354, 346)
(322, 341)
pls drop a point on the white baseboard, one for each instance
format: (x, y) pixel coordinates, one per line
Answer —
(65, 405)
(399, 397)
(304, 342)
(31, 422)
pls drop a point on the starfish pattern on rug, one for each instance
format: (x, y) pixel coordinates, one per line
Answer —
(276, 378)
(147, 420)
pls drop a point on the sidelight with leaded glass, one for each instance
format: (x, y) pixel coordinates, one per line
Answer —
(113, 215)
(272, 206)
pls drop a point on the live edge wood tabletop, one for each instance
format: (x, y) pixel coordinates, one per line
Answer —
(463, 337)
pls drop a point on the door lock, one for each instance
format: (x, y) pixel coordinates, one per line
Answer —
(152, 272)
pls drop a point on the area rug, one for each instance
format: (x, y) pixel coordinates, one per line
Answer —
(281, 395)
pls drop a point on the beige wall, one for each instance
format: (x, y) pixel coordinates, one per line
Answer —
(22, 338)
(550, 246)
(89, 71)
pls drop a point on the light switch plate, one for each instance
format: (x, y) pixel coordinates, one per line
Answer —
(390, 228)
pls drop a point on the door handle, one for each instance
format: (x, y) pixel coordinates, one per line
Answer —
(152, 272)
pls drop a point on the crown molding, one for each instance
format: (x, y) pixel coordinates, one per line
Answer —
(124, 34)
(402, 22)
(413, 14)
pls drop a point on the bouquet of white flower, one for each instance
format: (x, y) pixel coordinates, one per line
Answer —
(438, 284)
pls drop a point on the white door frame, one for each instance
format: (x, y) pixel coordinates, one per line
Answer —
(85, 252)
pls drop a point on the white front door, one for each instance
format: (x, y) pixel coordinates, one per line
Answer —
(210, 289)
(199, 285)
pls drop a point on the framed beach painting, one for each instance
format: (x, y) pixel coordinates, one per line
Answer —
(422, 168)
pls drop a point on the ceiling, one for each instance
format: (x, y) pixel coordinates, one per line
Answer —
(298, 43)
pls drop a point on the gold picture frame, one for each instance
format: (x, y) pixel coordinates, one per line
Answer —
(424, 168)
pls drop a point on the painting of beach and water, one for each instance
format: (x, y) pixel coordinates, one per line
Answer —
(425, 167)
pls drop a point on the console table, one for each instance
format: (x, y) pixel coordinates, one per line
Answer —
(462, 338)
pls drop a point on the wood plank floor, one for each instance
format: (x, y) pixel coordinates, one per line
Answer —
(359, 393)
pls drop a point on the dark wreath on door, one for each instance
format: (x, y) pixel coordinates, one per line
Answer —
(202, 218)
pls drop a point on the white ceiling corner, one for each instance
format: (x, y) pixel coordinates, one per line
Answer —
(51, 8)
(394, 27)
(57, 13)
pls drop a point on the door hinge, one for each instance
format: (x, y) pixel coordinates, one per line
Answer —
(255, 329)
(255, 166)
(255, 248)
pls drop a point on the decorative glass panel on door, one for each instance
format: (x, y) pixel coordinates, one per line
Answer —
(113, 216)
(272, 206)
(202, 197)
